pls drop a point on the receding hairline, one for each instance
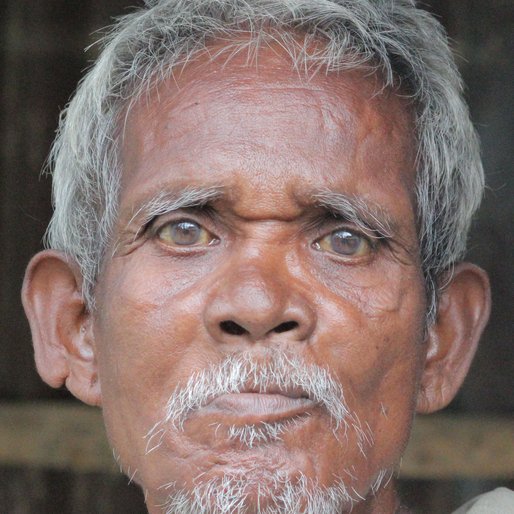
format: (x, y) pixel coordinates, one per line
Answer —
(245, 52)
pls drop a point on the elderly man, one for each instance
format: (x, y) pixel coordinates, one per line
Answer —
(254, 263)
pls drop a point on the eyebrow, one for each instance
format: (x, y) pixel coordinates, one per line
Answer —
(365, 215)
(165, 202)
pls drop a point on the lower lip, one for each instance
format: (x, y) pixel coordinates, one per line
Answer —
(258, 407)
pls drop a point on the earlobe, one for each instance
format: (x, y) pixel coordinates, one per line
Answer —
(452, 340)
(61, 326)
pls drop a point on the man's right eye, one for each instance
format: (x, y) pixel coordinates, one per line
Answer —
(184, 232)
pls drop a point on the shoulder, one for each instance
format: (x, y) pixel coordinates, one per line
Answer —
(499, 500)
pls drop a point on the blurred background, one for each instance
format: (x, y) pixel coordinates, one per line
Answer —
(52, 453)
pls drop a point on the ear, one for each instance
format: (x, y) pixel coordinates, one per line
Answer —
(452, 340)
(61, 326)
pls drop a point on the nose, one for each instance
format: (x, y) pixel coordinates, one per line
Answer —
(255, 304)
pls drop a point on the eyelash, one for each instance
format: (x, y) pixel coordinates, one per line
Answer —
(154, 226)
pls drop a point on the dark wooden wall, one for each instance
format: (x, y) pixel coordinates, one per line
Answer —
(41, 60)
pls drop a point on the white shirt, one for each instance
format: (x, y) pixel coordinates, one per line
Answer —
(499, 501)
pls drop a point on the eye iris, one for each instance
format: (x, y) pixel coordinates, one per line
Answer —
(346, 243)
(185, 233)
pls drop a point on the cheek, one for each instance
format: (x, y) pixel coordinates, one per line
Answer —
(139, 328)
(378, 290)
(144, 331)
(377, 332)
(151, 307)
(373, 341)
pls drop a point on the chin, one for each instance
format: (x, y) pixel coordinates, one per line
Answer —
(268, 478)
(262, 492)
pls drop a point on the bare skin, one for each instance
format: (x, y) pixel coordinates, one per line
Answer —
(267, 256)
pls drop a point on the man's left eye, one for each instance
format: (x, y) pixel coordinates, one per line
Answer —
(184, 233)
(345, 243)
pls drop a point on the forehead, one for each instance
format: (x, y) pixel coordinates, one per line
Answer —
(270, 130)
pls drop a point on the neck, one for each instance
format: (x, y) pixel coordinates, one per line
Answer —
(385, 501)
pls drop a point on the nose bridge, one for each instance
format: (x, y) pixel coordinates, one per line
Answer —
(257, 297)
(254, 289)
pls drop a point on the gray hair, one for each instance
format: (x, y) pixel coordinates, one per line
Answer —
(404, 43)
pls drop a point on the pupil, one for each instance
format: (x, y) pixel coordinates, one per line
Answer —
(186, 233)
(345, 243)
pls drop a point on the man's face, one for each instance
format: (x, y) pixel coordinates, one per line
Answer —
(305, 255)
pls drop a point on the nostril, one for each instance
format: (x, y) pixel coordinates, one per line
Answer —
(285, 327)
(232, 328)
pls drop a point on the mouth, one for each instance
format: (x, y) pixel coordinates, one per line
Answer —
(256, 407)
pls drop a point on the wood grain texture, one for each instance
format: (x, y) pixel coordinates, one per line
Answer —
(54, 435)
(64, 436)
(456, 447)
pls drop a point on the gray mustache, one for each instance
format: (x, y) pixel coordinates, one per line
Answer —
(278, 372)
(243, 372)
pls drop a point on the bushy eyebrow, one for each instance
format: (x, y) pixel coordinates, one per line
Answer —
(165, 202)
(365, 215)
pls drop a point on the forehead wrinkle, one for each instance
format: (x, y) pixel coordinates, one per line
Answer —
(238, 79)
(188, 114)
